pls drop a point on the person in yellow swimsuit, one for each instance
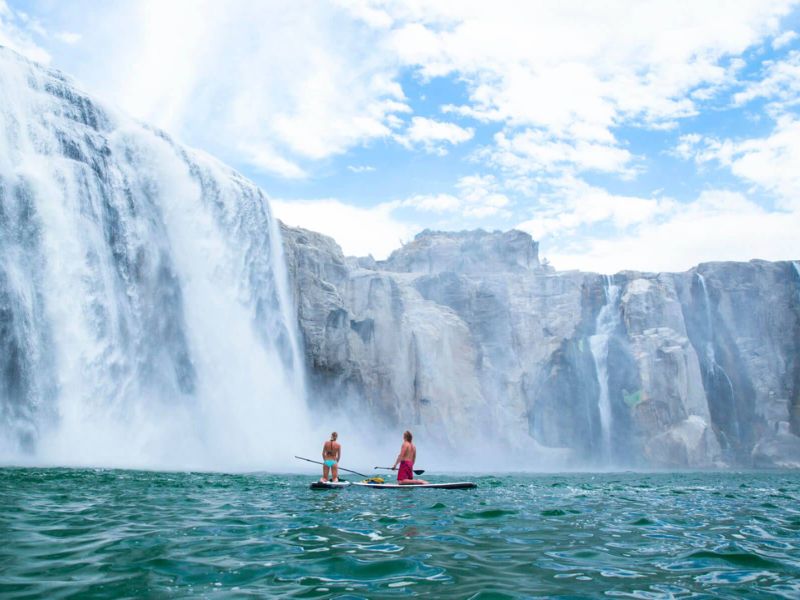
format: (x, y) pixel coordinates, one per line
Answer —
(331, 455)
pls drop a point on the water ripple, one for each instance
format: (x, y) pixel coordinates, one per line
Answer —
(105, 533)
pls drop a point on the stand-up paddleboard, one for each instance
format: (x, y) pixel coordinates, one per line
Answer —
(454, 485)
(329, 485)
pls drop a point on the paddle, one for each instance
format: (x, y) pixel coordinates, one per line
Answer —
(340, 468)
(416, 471)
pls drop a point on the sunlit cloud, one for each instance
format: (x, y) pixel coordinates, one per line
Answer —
(561, 118)
(769, 162)
(683, 236)
(360, 231)
(433, 136)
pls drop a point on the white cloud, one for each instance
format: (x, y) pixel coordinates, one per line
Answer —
(477, 196)
(285, 84)
(436, 203)
(687, 146)
(358, 230)
(781, 84)
(265, 158)
(433, 135)
(15, 33)
(719, 225)
(300, 80)
(557, 65)
(530, 151)
(303, 81)
(770, 162)
(68, 37)
(784, 39)
(360, 168)
(574, 204)
(482, 196)
(563, 77)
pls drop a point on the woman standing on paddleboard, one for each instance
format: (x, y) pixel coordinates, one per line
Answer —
(331, 455)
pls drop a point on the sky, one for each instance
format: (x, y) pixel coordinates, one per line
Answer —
(620, 135)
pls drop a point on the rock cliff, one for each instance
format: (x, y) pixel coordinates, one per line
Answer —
(467, 336)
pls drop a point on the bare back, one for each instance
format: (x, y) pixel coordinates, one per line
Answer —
(408, 451)
(331, 450)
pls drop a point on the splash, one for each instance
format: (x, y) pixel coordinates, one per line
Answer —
(145, 318)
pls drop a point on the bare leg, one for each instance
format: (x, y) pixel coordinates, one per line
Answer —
(324, 473)
(335, 472)
(412, 482)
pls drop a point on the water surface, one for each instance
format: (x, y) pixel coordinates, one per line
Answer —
(109, 533)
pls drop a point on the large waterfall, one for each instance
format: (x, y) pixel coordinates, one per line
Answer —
(145, 318)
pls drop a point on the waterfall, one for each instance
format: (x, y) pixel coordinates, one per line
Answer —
(608, 320)
(714, 369)
(145, 318)
(711, 355)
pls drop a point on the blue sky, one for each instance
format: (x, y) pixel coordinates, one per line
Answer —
(641, 135)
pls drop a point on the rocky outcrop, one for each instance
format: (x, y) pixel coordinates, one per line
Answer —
(466, 336)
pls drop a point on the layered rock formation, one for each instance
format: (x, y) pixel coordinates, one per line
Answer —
(466, 336)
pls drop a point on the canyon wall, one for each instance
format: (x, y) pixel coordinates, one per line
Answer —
(469, 339)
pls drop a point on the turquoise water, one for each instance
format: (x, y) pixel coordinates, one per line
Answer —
(107, 533)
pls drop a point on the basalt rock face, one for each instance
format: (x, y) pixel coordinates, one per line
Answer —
(467, 336)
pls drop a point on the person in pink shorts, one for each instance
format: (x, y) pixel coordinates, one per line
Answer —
(406, 459)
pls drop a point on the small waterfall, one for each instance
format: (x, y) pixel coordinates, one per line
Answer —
(145, 318)
(608, 320)
(714, 369)
(711, 355)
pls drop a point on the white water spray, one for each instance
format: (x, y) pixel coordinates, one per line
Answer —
(607, 322)
(145, 318)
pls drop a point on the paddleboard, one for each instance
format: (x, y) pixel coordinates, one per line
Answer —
(329, 485)
(454, 485)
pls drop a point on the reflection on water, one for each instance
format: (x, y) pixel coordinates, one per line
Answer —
(128, 533)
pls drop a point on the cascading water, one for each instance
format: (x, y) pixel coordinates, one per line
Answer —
(144, 312)
(715, 372)
(711, 355)
(608, 320)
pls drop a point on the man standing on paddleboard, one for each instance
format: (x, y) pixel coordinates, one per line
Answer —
(406, 460)
(331, 455)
